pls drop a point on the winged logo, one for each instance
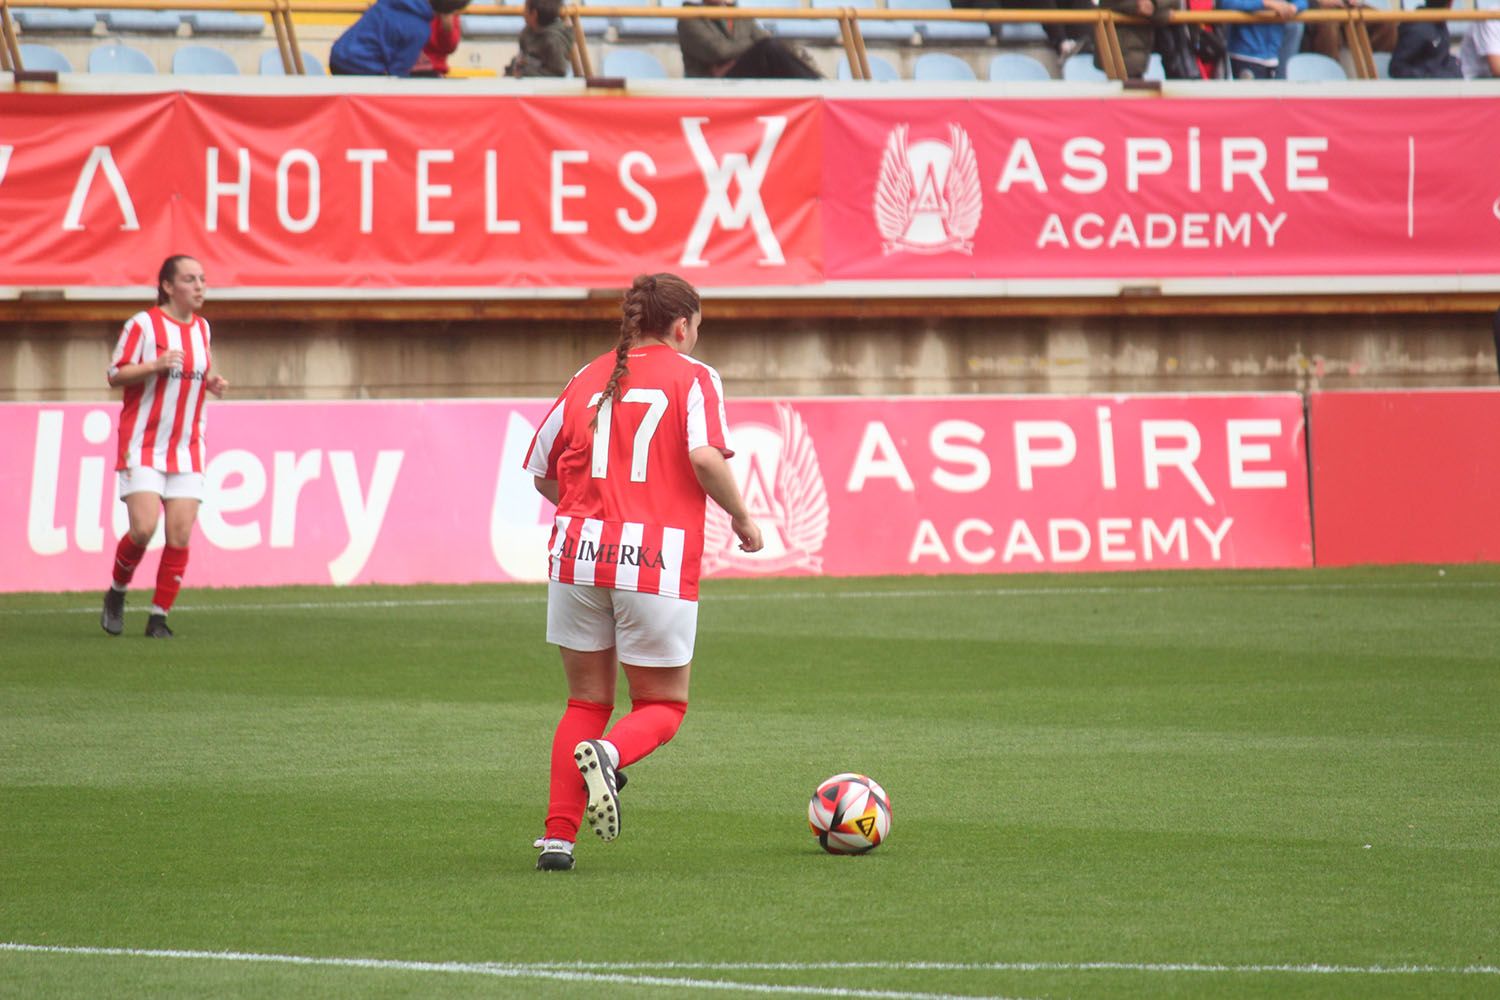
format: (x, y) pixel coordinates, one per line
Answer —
(795, 524)
(928, 198)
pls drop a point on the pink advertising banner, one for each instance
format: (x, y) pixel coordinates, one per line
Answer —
(1159, 188)
(406, 492)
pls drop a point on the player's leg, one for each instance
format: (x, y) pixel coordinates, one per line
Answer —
(143, 507)
(581, 624)
(182, 512)
(655, 636)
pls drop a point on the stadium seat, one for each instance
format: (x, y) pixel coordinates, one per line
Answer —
(270, 64)
(479, 26)
(941, 66)
(874, 31)
(1155, 69)
(119, 58)
(203, 60)
(656, 27)
(1080, 68)
(881, 70)
(1017, 67)
(143, 22)
(1024, 33)
(1310, 67)
(942, 32)
(634, 64)
(595, 26)
(224, 22)
(44, 57)
(1382, 65)
(45, 20)
(799, 29)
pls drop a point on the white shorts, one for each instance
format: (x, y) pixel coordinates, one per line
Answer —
(167, 485)
(647, 630)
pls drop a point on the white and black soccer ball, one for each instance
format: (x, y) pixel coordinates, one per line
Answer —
(850, 814)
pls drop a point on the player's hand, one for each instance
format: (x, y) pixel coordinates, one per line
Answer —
(172, 360)
(216, 384)
(748, 533)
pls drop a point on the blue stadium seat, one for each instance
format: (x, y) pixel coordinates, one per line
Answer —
(1025, 33)
(225, 22)
(598, 25)
(881, 70)
(798, 29)
(654, 27)
(634, 64)
(204, 60)
(942, 31)
(144, 22)
(941, 66)
(1014, 66)
(1310, 67)
(44, 57)
(1382, 65)
(1080, 68)
(502, 26)
(1155, 69)
(875, 31)
(116, 57)
(270, 64)
(45, 20)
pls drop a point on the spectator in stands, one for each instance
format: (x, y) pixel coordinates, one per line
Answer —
(546, 42)
(1138, 41)
(1326, 38)
(736, 47)
(388, 37)
(1255, 49)
(1424, 50)
(1065, 38)
(443, 41)
(1479, 55)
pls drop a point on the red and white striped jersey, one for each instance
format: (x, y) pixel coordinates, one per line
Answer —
(630, 508)
(161, 423)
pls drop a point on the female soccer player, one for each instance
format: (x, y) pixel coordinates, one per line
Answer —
(163, 361)
(628, 453)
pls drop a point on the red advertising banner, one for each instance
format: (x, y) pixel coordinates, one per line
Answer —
(403, 492)
(396, 191)
(1406, 477)
(1160, 188)
(366, 190)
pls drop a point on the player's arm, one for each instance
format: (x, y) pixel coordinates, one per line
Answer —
(131, 374)
(547, 488)
(718, 482)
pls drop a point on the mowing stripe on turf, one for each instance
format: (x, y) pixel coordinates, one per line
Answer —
(498, 969)
(612, 971)
(801, 595)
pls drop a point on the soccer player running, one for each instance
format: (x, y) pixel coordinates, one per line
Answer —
(163, 361)
(628, 453)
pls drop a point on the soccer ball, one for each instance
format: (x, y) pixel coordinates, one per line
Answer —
(850, 814)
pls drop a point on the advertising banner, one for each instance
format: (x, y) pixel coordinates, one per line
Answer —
(356, 190)
(1159, 188)
(1406, 477)
(405, 492)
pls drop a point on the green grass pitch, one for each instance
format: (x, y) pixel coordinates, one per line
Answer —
(1279, 784)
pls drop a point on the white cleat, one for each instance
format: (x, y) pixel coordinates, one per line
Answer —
(603, 812)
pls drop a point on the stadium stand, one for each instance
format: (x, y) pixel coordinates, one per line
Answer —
(142, 22)
(1013, 66)
(271, 65)
(881, 69)
(117, 57)
(664, 27)
(942, 32)
(799, 29)
(203, 59)
(1080, 68)
(1309, 67)
(941, 66)
(634, 64)
(224, 22)
(49, 21)
(44, 57)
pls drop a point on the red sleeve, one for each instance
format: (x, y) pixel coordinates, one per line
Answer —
(128, 347)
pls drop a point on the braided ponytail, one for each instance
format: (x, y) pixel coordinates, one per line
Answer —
(653, 303)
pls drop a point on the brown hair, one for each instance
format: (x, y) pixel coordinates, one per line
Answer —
(546, 10)
(653, 304)
(168, 273)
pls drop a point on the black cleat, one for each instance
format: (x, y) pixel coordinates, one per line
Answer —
(556, 856)
(112, 619)
(603, 782)
(156, 627)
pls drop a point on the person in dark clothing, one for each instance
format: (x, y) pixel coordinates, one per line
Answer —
(388, 38)
(1424, 50)
(736, 47)
(546, 42)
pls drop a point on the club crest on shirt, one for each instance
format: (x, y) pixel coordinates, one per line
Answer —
(779, 477)
(928, 199)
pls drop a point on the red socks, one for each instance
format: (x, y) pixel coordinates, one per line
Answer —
(649, 725)
(169, 576)
(583, 720)
(127, 558)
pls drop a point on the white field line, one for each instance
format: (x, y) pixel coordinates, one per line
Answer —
(1302, 969)
(801, 595)
(501, 970)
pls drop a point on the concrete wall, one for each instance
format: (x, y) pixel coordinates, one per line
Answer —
(319, 359)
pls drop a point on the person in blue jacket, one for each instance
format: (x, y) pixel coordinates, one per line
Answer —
(388, 37)
(1255, 49)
